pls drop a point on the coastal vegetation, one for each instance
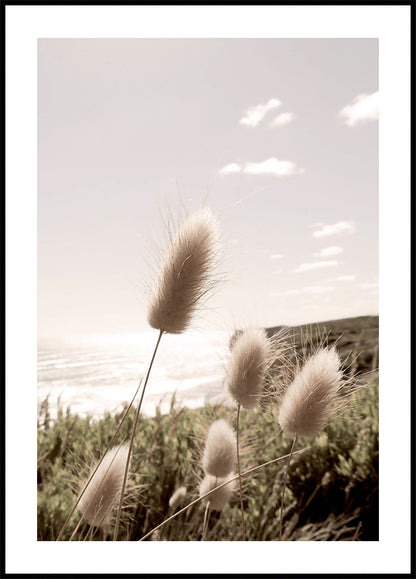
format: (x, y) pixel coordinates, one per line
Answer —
(332, 488)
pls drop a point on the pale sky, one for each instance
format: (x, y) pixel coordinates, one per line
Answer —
(278, 137)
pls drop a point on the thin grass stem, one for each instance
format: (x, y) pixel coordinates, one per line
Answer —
(86, 538)
(136, 419)
(94, 532)
(77, 527)
(284, 487)
(205, 524)
(243, 526)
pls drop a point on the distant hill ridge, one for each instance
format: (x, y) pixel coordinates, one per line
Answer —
(362, 322)
(356, 339)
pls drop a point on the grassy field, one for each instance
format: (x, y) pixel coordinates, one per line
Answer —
(332, 491)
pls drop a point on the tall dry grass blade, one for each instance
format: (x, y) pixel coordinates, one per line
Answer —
(185, 277)
(74, 532)
(136, 419)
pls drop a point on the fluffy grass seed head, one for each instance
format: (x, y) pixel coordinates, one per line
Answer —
(105, 486)
(178, 497)
(308, 401)
(219, 498)
(220, 449)
(186, 273)
(247, 369)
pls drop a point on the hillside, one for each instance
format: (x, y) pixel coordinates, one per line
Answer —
(356, 340)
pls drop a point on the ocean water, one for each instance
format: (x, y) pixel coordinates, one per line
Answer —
(95, 374)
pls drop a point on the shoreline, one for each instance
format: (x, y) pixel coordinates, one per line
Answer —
(96, 378)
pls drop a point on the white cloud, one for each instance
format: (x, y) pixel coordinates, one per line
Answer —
(283, 119)
(339, 227)
(271, 166)
(329, 251)
(276, 256)
(315, 265)
(231, 168)
(255, 115)
(363, 108)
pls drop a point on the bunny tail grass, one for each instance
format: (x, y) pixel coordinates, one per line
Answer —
(248, 366)
(136, 419)
(97, 502)
(221, 495)
(99, 463)
(219, 453)
(185, 274)
(178, 498)
(308, 402)
(244, 381)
